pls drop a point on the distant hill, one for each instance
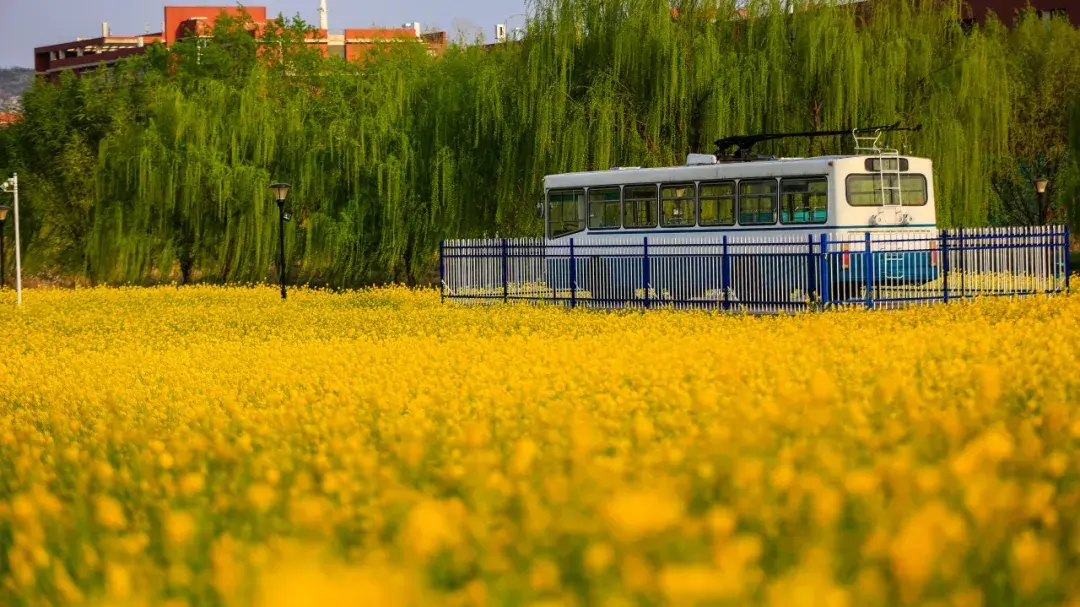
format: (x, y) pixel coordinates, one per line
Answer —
(13, 81)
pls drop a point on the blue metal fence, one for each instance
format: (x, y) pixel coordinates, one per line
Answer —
(760, 274)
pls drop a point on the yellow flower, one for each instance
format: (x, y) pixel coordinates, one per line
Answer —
(635, 514)
(862, 483)
(598, 557)
(1033, 560)
(109, 513)
(117, 581)
(917, 548)
(191, 483)
(721, 521)
(524, 452)
(433, 525)
(695, 584)
(164, 442)
(261, 496)
(179, 528)
(544, 576)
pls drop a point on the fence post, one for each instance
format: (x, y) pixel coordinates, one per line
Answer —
(551, 272)
(963, 263)
(645, 270)
(945, 266)
(725, 276)
(573, 276)
(811, 288)
(1068, 259)
(442, 271)
(825, 279)
(868, 274)
(505, 271)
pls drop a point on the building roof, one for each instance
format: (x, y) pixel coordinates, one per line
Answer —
(7, 118)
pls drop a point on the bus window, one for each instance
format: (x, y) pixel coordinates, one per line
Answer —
(566, 212)
(757, 202)
(867, 190)
(639, 206)
(603, 208)
(677, 206)
(804, 200)
(718, 204)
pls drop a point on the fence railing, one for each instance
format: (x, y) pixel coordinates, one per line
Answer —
(760, 274)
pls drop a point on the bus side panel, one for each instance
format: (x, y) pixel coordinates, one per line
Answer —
(909, 268)
(614, 279)
(686, 277)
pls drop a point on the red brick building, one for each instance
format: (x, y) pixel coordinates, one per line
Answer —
(7, 119)
(1006, 10)
(88, 53)
(183, 22)
(187, 21)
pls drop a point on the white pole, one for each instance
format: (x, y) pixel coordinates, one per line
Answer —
(18, 254)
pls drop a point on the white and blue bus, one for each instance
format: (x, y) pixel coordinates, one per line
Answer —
(838, 198)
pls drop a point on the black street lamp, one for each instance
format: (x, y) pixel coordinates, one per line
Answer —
(1040, 191)
(3, 218)
(281, 190)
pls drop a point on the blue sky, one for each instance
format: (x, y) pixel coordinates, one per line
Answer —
(25, 24)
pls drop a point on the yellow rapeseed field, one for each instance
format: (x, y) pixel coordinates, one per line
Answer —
(216, 446)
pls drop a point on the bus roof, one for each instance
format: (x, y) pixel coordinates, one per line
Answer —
(773, 167)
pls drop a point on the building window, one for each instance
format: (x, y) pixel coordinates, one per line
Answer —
(604, 208)
(566, 212)
(678, 207)
(1049, 15)
(639, 206)
(718, 204)
(757, 202)
(804, 200)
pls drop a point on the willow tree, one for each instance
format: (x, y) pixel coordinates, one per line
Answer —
(1045, 77)
(390, 154)
(625, 82)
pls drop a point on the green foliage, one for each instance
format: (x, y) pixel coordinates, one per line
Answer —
(390, 154)
(1045, 79)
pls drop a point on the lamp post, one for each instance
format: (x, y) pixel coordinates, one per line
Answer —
(1040, 191)
(3, 220)
(12, 186)
(281, 190)
(512, 34)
